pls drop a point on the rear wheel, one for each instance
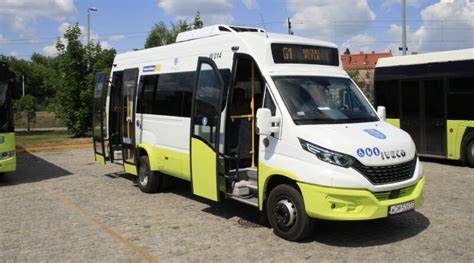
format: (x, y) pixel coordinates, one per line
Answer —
(287, 215)
(470, 153)
(148, 181)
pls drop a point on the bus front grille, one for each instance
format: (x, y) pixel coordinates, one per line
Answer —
(387, 174)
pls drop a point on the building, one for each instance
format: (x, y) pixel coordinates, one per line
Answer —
(364, 64)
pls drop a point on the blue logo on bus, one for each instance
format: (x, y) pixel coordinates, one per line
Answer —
(149, 68)
(376, 151)
(368, 152)
(377, 134)
(360, 152)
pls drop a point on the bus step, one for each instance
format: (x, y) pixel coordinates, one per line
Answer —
(253, 201)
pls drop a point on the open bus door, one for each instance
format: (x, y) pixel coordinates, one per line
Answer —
(205, 127)
(98, 109)
(129, 86)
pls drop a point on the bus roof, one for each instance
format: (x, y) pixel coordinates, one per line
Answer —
(434, 57)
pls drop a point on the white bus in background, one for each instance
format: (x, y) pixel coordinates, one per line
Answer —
(269, 120)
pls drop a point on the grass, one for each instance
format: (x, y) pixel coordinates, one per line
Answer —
(48, 138)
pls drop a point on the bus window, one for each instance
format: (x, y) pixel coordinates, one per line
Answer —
(460, 98)
(386, 94)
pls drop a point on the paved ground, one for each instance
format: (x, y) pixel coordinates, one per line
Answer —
(60, 206)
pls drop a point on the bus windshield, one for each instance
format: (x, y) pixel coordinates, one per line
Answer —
(4, 110)
(323, 100)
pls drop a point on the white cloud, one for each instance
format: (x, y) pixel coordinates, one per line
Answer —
(447, 25)
(21, 15)
(116, 37)
(389, 3)
(250, 4)
(13, 54)
(212, 11)
(324, 19)
(105, 45)
(50, 50)
(359, 43)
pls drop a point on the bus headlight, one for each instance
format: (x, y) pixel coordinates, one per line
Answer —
(6, 155)
(327, 155)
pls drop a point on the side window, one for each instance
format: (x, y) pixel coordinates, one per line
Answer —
(269, 103)
(460, 98)
(146, 96)
(173, 94)
(386, 94)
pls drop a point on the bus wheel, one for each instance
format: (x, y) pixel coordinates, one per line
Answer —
(470, 153)
(287, 215)
(148, 181)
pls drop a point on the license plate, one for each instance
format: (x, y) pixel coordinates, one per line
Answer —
(400, 208)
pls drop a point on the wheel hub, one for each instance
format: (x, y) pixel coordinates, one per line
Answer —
(143, 176)
(285, 213)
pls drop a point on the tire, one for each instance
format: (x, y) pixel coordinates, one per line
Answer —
(283, 201)
(2, 174)
(148, 181)
(470, 153)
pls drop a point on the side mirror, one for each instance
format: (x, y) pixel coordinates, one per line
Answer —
(381, 111)
(265, 122)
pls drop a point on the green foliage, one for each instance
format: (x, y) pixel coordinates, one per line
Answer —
(161, 34)
(197, 21)
(77, 65)
(26, 106)
(366, 87)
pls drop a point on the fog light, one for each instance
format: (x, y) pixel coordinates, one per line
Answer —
(6, 155)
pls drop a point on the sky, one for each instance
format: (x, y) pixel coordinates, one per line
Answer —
(28, 26)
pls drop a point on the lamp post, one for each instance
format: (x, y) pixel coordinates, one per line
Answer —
(89, 23)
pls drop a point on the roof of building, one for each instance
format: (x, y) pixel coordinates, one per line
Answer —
(433, 57)
(362, 60)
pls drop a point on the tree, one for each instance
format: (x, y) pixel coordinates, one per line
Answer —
(197, 21)
(73, 104)
(347, 52)
(161, 34)
(26, 106)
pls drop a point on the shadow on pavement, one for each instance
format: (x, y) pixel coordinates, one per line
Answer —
(442, 161)
(370, 233)
(333, 233)
(30, 169)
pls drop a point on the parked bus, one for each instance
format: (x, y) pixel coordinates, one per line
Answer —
(431, 97)
(8, 91)
(269, 120)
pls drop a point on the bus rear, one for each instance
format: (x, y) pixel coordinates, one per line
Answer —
(7, 135)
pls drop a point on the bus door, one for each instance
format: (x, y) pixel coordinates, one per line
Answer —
(434, 117)
(411, 115)
(205, 127)
(99, 118)
(129, 86)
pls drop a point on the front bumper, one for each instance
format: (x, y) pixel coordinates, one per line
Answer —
(8, 165)
(355, 204)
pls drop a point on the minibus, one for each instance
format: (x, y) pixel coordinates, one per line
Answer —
(269, 120)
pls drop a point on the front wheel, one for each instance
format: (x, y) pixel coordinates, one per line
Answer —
(287, 215)
(148, 181)
(470, 153)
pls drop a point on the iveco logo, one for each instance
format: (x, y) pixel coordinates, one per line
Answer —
(393, 154)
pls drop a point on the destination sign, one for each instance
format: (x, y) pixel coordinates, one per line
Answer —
(305, 54)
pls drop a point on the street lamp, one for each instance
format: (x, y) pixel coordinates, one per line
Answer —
(89, 23)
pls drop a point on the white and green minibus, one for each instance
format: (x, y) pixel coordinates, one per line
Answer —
(269, 120)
